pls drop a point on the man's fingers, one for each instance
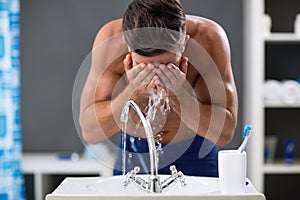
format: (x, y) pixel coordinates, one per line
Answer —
(127, 63)
(164, 75)
(177, 73)
(151, 85)
(141, 74)
(148, 76)
(184, 64)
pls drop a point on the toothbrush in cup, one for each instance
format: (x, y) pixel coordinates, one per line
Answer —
(246, 135)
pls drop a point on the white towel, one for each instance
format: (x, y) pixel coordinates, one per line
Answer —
(272, 91)
(291, 91)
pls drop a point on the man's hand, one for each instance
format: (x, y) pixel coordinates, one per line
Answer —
(141, 77)
(172, 77)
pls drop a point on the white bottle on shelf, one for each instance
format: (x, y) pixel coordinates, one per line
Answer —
(267, 25)
(297, 25)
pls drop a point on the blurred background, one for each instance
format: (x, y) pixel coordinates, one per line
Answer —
(56, 37)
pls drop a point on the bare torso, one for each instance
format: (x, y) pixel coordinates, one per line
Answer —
(209, 35)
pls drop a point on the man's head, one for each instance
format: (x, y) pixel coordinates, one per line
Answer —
(154, 27)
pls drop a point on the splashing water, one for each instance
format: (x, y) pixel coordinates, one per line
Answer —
(157, 104)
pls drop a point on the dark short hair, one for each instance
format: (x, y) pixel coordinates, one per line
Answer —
(152, 27)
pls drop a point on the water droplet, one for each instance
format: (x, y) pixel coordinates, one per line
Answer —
(129, 158)
(131, 139)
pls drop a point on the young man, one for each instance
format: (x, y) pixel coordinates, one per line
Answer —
(157, 49)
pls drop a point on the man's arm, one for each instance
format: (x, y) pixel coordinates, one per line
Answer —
(215, 89)
(96, 114)
(215, 97)
(108, 87)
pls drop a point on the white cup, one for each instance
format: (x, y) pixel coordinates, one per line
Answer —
(232, 171)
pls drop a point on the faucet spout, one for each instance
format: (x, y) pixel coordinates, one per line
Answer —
(154, 184)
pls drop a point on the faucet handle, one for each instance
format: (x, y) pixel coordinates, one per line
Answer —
(178, 174)
(130, 176)
(136, 170)
(181, 178)
(173, 169)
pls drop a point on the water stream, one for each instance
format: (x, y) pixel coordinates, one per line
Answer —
(158, 105)
(124, 124)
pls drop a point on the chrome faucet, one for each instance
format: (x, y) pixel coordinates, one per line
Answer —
(153, 185)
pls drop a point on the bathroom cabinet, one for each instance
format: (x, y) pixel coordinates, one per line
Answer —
(44, 172)
(271, 56)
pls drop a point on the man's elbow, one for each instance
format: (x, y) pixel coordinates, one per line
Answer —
(227, 132)
(225, 138)
(89, 137)
(93, 131)
(87, 134)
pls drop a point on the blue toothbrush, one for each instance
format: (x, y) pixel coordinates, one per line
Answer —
(246, 135)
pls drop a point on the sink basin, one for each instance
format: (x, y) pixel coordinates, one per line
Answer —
(104, 188)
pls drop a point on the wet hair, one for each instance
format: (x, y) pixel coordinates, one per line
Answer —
(152, 27)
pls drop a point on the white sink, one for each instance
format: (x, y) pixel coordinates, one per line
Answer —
(110, 188)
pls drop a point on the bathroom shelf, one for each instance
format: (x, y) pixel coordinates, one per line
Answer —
(282, 105)
(279, 167)
(45, 165)
(49, 163)
(256, 69)
(282, 37)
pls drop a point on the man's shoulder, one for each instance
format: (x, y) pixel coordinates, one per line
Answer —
(110, 37)
(108, 30)
(114, 26)
(203, 29)
(206, 32)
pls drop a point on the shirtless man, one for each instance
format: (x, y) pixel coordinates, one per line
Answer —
(194, 71)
